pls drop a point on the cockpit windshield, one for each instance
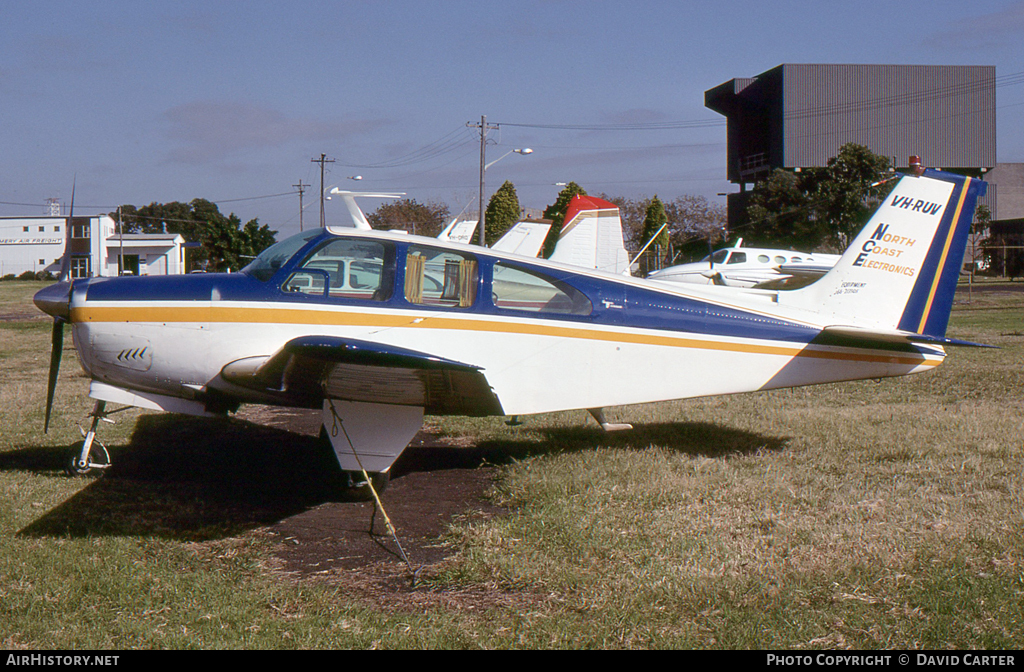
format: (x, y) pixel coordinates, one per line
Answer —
(718, 257)
(269, 260)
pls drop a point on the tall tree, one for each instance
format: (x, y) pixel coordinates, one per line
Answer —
(224, 243)
(690, 218)
(424, 219)
(502, 212)
(654, 220)
(556, 213)
(655, 232)
(820, 208)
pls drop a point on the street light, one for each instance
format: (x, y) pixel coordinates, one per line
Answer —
(481, 239)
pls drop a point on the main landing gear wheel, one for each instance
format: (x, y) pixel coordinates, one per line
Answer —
(356, 481)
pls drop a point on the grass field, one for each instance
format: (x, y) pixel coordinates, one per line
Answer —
(874, 514)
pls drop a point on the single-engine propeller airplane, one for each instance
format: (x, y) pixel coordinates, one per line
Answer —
(376, 329)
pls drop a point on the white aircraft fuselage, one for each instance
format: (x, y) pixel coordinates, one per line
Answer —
(747, 267)
(378, 329)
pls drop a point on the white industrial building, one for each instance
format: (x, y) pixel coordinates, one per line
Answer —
(36, 244)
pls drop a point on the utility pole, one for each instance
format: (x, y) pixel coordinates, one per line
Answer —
(484, 127)
(302, 188)
(322, 160)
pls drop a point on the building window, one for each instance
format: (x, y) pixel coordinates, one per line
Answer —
(80, 267)
(79, 230)
(56, 229)
(42, 229)
(42, 262)
(24, 229)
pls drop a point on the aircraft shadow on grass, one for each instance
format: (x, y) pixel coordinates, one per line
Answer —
(206, 478)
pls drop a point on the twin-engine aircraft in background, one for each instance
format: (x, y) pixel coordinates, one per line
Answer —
(376, 329)
(738, 266)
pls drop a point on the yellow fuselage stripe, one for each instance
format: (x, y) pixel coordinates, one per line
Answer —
(235, 315)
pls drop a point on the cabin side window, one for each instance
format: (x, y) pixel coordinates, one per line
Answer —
(738, 258)
(344, 269)
(518, 289)
(440, 278)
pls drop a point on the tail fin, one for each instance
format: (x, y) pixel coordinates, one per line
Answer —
(459, 232)
(525, 238)
(591, 236)
(901, 271)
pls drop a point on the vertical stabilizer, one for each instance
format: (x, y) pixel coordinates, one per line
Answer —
(525, 238)
(591, 236)
(901, 271)
(459, 232)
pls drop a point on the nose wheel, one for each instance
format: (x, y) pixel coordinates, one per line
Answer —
(91, 453)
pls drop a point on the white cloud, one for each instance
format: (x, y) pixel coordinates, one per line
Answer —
(987, 31)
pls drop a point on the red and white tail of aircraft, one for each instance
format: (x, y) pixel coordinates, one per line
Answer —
(591, 236)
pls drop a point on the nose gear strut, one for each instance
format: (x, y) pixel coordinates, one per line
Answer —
(92, 454)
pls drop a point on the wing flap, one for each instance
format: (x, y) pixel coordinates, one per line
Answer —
(309, 369)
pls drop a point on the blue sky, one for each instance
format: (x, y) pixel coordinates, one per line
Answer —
(230, 101)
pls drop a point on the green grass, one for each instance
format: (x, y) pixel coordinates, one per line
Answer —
(873, 514)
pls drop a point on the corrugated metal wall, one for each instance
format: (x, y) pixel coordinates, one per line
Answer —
(800, 115)
(945, 114)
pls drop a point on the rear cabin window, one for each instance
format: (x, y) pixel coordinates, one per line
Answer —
(441, 278)
(344, 269)
(519, 289)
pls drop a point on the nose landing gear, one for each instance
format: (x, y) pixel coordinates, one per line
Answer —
(92, 454)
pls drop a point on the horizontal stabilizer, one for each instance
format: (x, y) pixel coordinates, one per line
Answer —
(359, 220)
(864, 337)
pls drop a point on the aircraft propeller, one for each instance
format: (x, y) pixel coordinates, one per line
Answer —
(56, 300)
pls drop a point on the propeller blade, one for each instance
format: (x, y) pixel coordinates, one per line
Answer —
(65, 261)
(56, 350)
(53, 301)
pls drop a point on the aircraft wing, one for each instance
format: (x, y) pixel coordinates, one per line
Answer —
(309, 369)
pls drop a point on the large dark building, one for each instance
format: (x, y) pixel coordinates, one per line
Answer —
(798, 116)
